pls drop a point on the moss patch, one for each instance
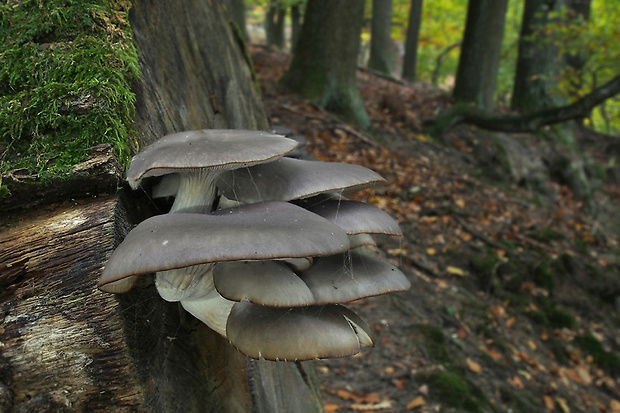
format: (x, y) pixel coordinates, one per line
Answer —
(606, 360)
(65, 73)
(454, 390)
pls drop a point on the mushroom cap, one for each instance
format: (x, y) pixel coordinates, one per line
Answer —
(331, 280)
(207, 148)
(286, 179)
(355, 217)
(269, 283)
(300, 333)
(272, 230)
(361, 240)
(346, 277)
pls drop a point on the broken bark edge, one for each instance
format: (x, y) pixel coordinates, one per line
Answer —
(99, 174)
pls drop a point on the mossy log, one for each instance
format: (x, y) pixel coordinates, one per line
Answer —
(66, 346)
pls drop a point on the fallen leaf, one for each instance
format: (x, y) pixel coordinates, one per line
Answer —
(516, 382)
(614, 406)
(389, 370)
(460, 203)
(385, 404)
(510, 321)
(400, 383)
(328, 408)
(462, 333)
(431, 251)
(473, 366)
(549, 403)
(563, 405)
(415, 403)
(455, 271)
(531, 344)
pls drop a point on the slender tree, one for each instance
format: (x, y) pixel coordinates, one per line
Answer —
(381, 49)
(411, 41)
(480, 52)
(538, 62)
(324, 63)
(295, 23)
(274, 24)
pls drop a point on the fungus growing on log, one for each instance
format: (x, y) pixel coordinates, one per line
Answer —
(263, 268)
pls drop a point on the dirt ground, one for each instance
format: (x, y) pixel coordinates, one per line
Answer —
(515, 304)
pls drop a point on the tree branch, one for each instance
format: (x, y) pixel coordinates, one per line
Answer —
(524, 123)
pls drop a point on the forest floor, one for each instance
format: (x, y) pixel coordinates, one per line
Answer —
(515, 304)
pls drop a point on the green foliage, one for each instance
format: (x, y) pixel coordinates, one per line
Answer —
(65, 73)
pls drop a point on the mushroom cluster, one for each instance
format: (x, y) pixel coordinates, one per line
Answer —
(260, 247)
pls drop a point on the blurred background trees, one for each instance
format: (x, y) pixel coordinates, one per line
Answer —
(528, 55)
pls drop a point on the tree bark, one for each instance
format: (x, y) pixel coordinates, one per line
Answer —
(295, 25)
(538, 61)
(411, 41)
(476, 77)
(66, 346)
(381, 50)
(324, 64)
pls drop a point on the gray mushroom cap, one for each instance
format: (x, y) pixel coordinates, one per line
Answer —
(272, 230)
(346, 277)
(330, 280)
(269, 283)
(207, 148)
(286, 179)
(355, 217)
(300, 333)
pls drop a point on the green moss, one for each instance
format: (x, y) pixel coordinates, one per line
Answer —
(606, 360)
(433, 340)
(454, 390)
(65, 73)
(548, 314)
(543, 276)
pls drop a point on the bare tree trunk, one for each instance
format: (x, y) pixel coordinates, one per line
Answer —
(411, 42)
(66, 346)
(538, 61)
(324, 64)
(274, 25)
(476, 76)
(381, 48)
(295, 25)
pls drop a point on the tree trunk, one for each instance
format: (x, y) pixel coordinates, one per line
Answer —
(295, 25)
(381, 48)
(538, 62)
(324, 64)
(66, 346)
(274, 25)
(411, 42)
(236, 13)
(480, 52)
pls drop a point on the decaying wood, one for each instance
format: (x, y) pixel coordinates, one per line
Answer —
(61, 340)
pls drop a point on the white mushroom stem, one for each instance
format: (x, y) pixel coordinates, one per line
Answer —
(189, 282)
(212, 309)
(196, 192)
